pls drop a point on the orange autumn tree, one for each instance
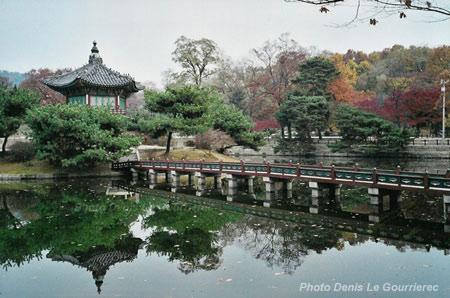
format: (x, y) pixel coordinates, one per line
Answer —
(346, 93)
(342, 88)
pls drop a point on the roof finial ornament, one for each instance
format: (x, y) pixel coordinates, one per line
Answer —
(94, 48)
(94, 57)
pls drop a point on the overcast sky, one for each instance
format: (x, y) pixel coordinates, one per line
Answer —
(137, 36)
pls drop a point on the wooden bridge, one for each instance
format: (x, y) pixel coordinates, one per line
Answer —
(374, 178)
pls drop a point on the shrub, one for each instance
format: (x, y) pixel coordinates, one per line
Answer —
(213, 140)
(78, 135)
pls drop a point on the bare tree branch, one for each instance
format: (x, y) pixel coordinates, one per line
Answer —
(437, 7)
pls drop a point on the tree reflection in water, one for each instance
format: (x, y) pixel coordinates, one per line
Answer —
(188, 234)
(81, 225)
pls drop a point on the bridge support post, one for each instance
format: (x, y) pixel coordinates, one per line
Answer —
(335, 196)
(287, 189)
(218, 181)
(446, 200)
(191, 181)
(135, 174)
(167, 177)
(316, 189)
(250, 184)
(377, 197)
(270, 191)
(175, 181)
(232, 187)
(201, 184)
(137, 197)
(382, 200)
(153, 178)
(319, 201)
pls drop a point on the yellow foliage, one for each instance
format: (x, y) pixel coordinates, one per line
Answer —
(347, 71)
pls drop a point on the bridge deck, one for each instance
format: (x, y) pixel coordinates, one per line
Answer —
(388, 179)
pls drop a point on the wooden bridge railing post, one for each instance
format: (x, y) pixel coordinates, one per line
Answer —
(425, 180)
(356, 167)
(447, 173)
(268, 168)
(201, 165)
(297, 171)
(242, 166)
(153, 163)
(398, 170)
(374, 176)
(183, 166)
(332, 172)
(167, 163)
(220, 166)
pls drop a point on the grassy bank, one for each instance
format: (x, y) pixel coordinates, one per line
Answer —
(186, 154)
(42, 167)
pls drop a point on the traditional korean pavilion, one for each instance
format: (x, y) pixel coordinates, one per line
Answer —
(95, 85)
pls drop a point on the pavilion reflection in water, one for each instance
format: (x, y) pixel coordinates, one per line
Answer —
(99, 260)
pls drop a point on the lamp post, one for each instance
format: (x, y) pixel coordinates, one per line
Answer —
(443, 107)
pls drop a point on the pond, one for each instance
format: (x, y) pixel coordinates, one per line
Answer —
(101, 238)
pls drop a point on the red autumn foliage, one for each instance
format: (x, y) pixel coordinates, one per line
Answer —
(417, 106)
(368, 104)
(262, 125)
(48, 96)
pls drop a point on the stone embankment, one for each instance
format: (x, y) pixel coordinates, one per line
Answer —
(28, 177)
(420, 148)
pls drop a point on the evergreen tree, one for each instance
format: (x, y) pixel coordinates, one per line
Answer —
(14, 104)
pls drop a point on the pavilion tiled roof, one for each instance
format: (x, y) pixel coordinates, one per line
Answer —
(93, 74)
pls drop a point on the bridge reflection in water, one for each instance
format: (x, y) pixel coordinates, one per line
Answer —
(384, 186)
(421, 232)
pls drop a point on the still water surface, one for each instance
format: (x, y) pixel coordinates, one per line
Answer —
(93, 239)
